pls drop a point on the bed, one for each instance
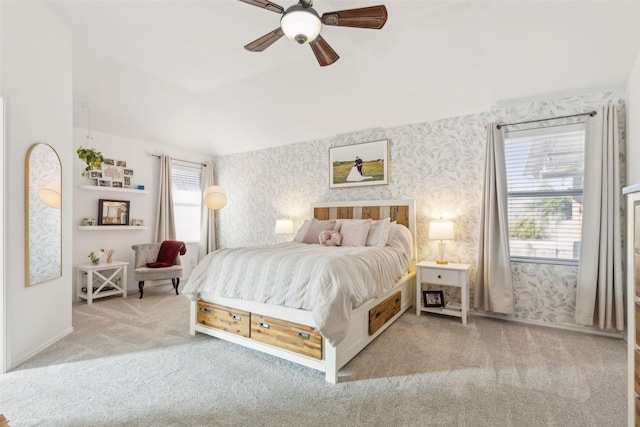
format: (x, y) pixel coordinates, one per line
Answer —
(323, 334)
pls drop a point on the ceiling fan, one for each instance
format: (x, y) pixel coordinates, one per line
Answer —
(302, 24)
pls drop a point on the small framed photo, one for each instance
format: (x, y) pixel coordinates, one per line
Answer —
(127, 181)
(95, 174)
(137, 221)
(433, 298)
(121, 163)
(108, 162)
(104, 183)
(113, 212)
(128, 172)
(117, 184)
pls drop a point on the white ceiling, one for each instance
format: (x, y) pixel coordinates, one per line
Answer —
(176, 73)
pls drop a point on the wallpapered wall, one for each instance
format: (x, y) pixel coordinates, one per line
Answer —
(437, 163)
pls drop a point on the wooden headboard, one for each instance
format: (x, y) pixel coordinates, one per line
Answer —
(402, 211)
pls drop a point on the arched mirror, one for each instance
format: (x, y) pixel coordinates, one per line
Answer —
(43, 210)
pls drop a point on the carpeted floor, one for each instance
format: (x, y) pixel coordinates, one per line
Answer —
(132, 362)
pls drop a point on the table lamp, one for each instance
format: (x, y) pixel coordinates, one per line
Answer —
(284, 227)
(441, 230)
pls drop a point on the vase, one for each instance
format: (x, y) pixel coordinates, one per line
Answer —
(109, 259)
(95, 261)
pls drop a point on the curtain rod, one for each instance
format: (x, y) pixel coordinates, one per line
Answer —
(590, 114)
(180, 160)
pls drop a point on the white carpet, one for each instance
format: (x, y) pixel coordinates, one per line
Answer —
(131, 362)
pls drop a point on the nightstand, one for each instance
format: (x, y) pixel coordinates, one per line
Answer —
(450, 274)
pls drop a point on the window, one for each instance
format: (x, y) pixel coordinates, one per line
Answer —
(545, 169)
(187, 201)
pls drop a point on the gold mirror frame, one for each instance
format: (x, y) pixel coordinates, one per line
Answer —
(43, 214)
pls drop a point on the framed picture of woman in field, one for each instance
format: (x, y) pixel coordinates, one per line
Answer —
(359, 164)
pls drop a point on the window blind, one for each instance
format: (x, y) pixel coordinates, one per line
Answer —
(545, 170)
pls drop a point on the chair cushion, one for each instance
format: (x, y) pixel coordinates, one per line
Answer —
(146, 273)
(169, 250)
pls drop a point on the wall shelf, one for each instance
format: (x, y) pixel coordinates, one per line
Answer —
(111, 227)
(114, 189)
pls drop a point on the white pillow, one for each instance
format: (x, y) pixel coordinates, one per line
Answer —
(393, 226)
(379, 232)
(302, 231)
(354, 233)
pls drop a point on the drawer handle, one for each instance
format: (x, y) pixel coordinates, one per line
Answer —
(264, 325)
(207, 310)
(303, 335)
(236, 317)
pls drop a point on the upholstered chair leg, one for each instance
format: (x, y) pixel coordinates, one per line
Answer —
(141, 287)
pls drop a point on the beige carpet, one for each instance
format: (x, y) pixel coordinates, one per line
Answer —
(131, 362)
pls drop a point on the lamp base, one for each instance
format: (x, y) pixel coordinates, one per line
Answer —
(441, 249)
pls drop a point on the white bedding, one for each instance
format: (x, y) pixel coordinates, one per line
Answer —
(328, 281)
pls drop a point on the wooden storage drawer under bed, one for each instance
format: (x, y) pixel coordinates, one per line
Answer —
(290, 336)
(383, 312)
(224, 318)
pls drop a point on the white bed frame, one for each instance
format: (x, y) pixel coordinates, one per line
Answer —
(357, 338)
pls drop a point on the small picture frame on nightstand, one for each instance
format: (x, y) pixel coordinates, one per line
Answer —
(433, 298)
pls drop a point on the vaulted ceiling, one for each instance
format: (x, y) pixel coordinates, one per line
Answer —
(175, 72)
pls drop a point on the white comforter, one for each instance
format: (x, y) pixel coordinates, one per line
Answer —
(328, 281)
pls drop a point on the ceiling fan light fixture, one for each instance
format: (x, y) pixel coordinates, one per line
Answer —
(301, 24)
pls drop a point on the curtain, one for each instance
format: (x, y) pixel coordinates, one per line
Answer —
(599, 291)
(494, 287)
(165, 220)
(207, 225)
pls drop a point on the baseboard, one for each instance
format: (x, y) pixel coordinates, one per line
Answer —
(41, 348)
(575, 328)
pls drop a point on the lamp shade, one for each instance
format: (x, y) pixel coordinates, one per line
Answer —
(51, 194)
(215, 197)
(284, 226)
(301, 24)
(441, 230)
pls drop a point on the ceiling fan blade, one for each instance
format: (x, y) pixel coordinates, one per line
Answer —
(265, 41)
(324, 53)
(366, 17)
(265, 4)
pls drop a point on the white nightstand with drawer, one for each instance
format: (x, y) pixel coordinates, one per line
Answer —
(450, 274)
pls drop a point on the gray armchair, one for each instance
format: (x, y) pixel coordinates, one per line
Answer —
(148, 253)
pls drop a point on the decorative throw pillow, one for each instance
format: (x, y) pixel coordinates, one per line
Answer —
(315, 228)
(302, 231)
(379, 232)
(330, 238)
(354, 233)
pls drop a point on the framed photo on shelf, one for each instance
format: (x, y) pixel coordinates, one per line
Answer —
(117, 184)
(113, 212)
(433, 298)
(355, 165)
(95, 174)
(104, 183)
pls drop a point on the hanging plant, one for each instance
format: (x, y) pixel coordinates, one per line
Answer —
(92, 157)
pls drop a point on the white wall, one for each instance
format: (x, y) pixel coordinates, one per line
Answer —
(36, 83)
(633, 125)
(143, 206)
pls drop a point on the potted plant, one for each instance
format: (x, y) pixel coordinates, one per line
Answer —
(92, 157)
